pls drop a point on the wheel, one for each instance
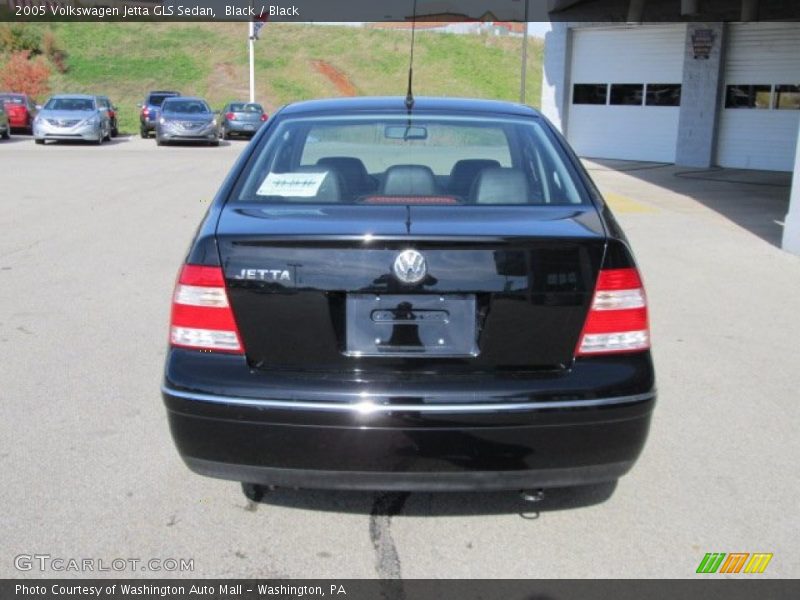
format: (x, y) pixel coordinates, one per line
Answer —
(159, 141)
(254, 491)
(7, 133)
(40, 142)
(224, 134)
(100, 139)
(108, 135)
(114, 130)
(144, 133)
(215, 143)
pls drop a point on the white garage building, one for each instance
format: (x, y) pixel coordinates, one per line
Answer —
(694, 94)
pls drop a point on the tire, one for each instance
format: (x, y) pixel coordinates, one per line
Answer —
(159, 141)
(115, 131)
(144, 133)
(224, 134)
(108, 135)
(253, 491)
(214, 144)
(7, 133)
(40, 142)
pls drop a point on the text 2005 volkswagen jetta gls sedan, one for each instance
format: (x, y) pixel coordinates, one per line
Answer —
(424, 298)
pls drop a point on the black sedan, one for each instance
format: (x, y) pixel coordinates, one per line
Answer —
(426, 298)
(185, 119)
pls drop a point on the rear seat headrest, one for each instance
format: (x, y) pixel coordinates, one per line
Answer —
(498, 185)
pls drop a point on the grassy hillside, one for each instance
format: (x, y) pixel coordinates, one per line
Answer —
(293, 62)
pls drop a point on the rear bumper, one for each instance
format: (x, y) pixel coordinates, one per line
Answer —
(18, 121)
(242, 127)
(455, 441)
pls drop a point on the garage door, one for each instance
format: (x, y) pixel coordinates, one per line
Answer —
(761, 101)
(625, 92)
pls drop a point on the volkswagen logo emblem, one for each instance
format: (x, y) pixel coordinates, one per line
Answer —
(410, 266)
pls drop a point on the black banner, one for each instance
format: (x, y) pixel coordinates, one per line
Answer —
(394, 10)
(417, 589)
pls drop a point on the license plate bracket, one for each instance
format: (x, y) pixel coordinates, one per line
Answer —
(411, 325)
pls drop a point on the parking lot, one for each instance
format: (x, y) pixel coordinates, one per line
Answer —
(92, 238)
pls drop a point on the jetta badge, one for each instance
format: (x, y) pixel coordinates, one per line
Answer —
(410, 266)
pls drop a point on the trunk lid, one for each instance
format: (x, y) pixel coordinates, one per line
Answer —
(248, 116)
(313, 288)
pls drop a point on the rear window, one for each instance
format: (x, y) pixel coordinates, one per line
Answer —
(158, 99)
(246, 107)
(402, 160)
(11, 99)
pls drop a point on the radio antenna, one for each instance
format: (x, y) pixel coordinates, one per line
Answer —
(409, 93)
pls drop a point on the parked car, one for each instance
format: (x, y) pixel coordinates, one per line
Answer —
(5, 126)
(148, 116)
(242, 119)
(104, 102)
(185, 119)
(21, 110)
(433, 298)
(72, 117)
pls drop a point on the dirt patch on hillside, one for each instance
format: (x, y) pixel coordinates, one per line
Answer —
(227, 79)
(341, 81)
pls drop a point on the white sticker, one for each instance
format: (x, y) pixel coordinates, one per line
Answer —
(304, 185)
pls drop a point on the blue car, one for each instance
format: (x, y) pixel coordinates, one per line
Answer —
(148, 117)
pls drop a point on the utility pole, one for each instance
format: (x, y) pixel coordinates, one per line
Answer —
(524, 73)
(251, 40)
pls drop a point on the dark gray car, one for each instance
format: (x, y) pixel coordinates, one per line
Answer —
(5, 127)
(242, 119)
(185, 119)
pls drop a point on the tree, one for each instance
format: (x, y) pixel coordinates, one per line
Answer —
(26, 76)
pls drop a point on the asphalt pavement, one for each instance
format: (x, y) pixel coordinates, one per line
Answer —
(92, 238)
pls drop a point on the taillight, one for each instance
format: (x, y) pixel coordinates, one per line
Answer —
(264, 116)
(145, 111)
(201, 314)
(230, 116)
(617, 319)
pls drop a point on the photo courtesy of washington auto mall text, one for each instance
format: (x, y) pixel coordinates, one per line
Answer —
(178, 590)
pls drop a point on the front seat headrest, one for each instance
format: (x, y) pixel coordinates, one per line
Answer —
(352, 170)
(409, 180)
(330, 190)
(499, 185)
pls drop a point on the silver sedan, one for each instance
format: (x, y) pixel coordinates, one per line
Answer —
(72, 117)
(185, 119)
